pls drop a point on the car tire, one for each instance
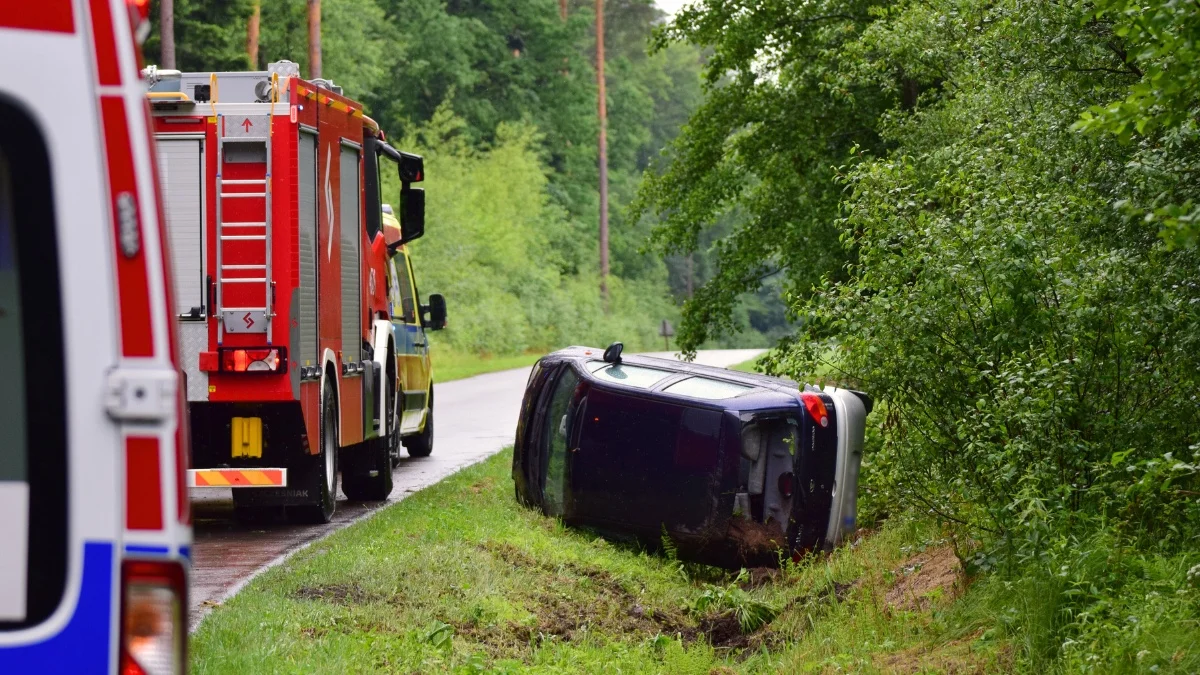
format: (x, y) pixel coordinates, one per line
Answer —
(421, 445)
(319, 472)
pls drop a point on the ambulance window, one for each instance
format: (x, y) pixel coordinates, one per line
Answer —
(33, 457)
(408, 307)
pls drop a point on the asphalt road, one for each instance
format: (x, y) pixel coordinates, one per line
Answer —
(475, 418)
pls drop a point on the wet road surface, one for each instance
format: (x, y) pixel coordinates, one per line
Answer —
(475, 418)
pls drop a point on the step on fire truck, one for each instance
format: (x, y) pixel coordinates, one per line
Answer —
(297, 366)
(94, 527)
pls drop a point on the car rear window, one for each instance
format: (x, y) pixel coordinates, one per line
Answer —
(630, 376)
(707, 388)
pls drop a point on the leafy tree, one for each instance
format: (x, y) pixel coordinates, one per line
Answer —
(208, 35)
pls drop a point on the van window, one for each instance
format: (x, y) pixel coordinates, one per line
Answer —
(33, 457)
(632, 376)
(557, 436)
(707, 388)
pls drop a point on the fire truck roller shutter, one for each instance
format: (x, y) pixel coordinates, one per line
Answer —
(351, 267)
(306, 354)
(181, 175)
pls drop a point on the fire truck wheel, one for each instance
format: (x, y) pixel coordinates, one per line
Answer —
(369, 476)
(421, 445)
(319, 473)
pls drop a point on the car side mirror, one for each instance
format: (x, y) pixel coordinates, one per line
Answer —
(437, 312)
(412, 214)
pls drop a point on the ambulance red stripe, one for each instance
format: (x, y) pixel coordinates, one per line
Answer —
(108, 68)
(137, 337)
(143, 484)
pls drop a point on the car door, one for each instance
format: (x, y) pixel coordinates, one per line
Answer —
(412, 352)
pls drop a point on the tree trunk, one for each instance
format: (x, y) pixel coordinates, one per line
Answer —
(166, 24)
(602, 108)
(252, 35)
(562, 9)
(314, 39)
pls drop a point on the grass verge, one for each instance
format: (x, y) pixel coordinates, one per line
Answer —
(451, 365)
(459, 578)
(750, 366)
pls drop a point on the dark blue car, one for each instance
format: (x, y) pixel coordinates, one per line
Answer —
(737, 469)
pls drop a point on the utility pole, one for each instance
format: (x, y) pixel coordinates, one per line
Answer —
(602, 107)
(314, 39)
(166, 26)
(252, 35)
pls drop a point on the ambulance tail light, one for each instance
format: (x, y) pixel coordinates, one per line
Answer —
(153, 618)
(263, 360)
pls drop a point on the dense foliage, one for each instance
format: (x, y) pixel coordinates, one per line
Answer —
(986, 215)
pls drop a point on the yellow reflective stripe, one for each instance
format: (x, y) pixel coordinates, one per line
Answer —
(212, 477)
(257, 478)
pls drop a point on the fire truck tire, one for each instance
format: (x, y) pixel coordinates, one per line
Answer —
(421, 445)
(357, 480)
(319, 473)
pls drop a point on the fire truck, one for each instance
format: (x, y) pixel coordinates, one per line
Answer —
(295, 370)
(94, 528)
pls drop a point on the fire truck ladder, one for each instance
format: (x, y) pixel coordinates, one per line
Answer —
(235, 134)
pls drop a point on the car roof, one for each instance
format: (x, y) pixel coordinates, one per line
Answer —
(767, 392)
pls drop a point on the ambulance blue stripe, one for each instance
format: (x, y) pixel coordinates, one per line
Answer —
(147, 550)
(82, 646)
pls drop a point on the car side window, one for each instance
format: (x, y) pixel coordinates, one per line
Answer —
(556, 433)
(401, 292)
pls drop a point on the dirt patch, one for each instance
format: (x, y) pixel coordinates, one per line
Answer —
(958, 657)
(929, 578)
(338, 594)
(582, 600)
(483, 485)
(755, 540)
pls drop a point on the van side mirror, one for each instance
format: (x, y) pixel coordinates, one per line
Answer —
(437, 312)
(412, 214)
(412, 167)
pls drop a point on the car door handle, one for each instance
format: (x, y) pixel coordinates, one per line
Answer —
(418, 344)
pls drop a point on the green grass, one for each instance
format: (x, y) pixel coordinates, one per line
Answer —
(750, 366)
(450, 365)
(460, 578)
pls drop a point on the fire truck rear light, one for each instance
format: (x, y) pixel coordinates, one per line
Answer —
(267, 360)
(153, 632)
(816, 408)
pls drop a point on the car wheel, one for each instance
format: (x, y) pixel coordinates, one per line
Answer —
(319, 473)
(421, 445)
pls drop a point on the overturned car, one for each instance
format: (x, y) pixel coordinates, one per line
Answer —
(736, 469)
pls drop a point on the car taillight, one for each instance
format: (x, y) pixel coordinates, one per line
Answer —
(787, 483)
(153, 628)
(139, 19)
(816, 408)
(253, 360)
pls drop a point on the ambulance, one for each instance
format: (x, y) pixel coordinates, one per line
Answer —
(94, 524)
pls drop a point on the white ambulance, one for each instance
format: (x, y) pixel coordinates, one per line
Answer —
(94, 528)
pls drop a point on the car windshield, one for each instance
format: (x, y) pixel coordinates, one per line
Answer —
(633, 376)
(706, 388)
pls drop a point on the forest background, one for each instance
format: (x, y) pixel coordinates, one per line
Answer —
(500, 98)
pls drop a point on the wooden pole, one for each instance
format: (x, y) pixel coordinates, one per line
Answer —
(166, 26)
(314, 39)
(252, 35)
(602, 109)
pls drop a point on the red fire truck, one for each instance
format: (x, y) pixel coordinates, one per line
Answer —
(274, 188)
